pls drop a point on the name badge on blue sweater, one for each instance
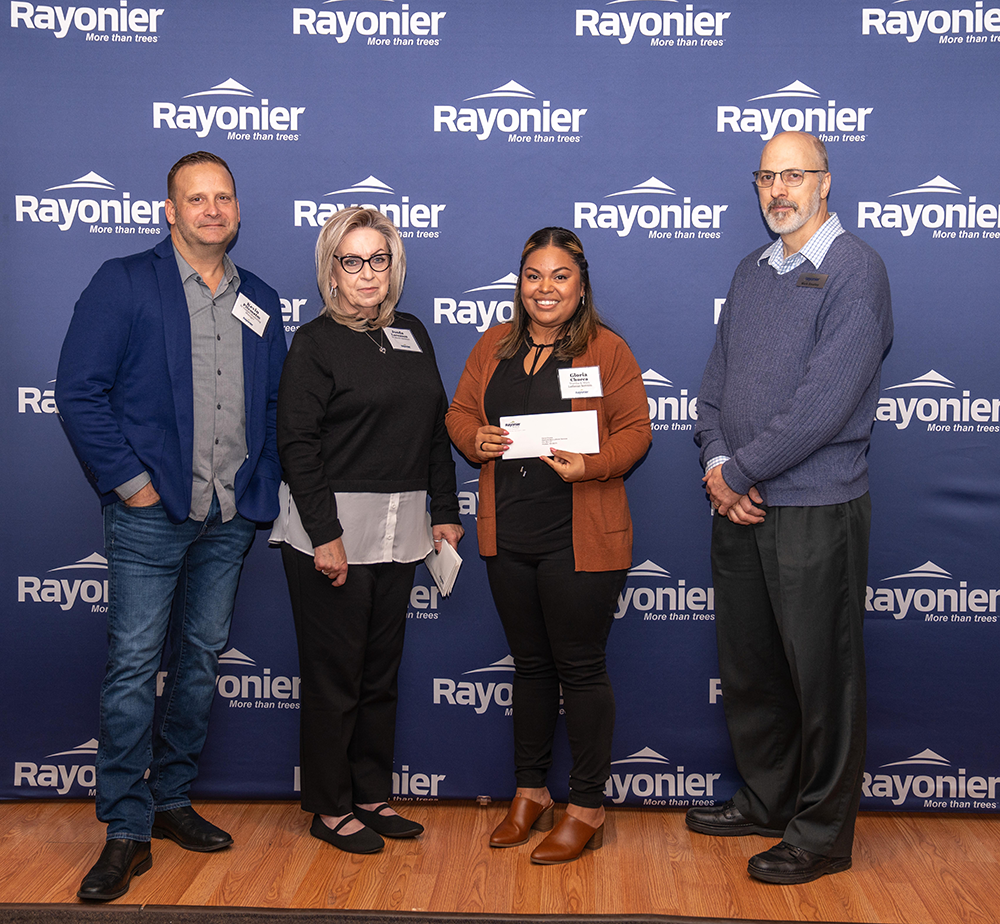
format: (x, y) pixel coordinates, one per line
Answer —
(813, 280)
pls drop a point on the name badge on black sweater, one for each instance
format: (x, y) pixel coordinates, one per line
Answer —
(813, 280)
(402, 339)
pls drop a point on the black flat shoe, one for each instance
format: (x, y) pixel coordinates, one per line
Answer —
(786, 864)
(110, 876)
(363, 841)
(186, 827)
(388, 825)
(725, 820)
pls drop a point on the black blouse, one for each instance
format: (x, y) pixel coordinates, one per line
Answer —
(534, 506)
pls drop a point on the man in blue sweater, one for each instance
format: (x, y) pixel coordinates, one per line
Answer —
(785, 416)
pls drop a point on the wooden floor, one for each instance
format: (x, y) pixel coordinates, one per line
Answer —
(911, 869)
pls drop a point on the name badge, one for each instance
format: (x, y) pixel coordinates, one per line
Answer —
(581, 382)
(253, 316)
(401, 339)
(813, 280)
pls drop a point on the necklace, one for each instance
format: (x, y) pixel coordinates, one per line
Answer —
(379, 342)
(537, 347)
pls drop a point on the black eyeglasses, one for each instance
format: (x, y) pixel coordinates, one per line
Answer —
(790, 177)
(379, 262)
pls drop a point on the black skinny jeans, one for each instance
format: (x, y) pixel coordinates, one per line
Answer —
(557, 621)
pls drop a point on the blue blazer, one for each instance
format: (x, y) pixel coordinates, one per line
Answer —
(124, 386)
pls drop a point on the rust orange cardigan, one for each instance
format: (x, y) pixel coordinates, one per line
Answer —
(602, 525)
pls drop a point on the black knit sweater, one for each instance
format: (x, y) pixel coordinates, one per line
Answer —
(353, 419)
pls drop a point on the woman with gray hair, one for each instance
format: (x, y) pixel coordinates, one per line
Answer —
(360, 383)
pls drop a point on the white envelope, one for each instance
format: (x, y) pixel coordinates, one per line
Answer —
(443, 567)
(535, 435)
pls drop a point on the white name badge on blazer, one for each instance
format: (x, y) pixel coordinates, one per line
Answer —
(250, 314)
(581, 382)
(401, 339)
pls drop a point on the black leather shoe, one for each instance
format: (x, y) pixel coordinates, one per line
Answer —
(388, 825)
(363, 841)
(187, 828)
(725, 820)
(786, 864)
(110, 876)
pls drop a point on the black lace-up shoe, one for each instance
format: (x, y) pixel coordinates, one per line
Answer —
(786, 864)
(725, 820)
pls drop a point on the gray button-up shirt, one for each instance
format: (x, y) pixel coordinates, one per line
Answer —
(217, 372)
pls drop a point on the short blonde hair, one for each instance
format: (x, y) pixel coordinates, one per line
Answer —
(337, 227)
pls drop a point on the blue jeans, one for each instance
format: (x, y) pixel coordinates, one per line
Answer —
(164, 579)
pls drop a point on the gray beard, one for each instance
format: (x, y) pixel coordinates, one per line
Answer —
(792, 223)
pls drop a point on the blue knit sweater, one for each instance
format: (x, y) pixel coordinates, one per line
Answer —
(791, 386)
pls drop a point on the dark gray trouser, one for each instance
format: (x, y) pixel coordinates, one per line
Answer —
(789, 602)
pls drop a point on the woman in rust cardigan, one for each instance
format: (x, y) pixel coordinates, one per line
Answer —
(555, 531)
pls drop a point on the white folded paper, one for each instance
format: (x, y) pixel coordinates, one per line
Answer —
(444, 566)
(535, 435)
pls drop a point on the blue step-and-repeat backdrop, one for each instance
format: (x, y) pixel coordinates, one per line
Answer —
(471, 124)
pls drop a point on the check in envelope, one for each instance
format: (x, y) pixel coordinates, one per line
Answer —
(535, 435)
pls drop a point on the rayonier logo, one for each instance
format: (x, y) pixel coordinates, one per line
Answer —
(384, 28)
(492, 307)
(409, 785)
(478, 694)
(968, 26)
(248, 687)
(103, 24)
(668, 412)
(66, 592)
(413, 219)
(468, 498)
(425, 599)
(647, 775)
(76, 769)
(966, 221)
(115, 213)
(663, 28)
(241, 122)
(662, 220)
(659, 602)
(934, 603)
(291, 313)
(37, 400)
(829, 122)
(529, 123)
(949, 789)
(941, 408)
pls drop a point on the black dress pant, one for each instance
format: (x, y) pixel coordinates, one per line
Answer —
(350, 641)
(790, 607)
(557, 622)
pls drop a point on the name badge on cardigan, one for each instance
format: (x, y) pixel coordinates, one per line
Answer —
(581, 382)
(813, 280)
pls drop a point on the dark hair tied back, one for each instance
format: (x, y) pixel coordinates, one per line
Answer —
(582, 327)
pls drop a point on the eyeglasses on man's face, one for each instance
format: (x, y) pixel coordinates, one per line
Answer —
(352, 264)
(791, 177)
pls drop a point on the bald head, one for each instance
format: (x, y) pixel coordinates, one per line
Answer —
(812, 150)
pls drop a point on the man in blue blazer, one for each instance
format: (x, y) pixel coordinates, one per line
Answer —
(167, 387)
